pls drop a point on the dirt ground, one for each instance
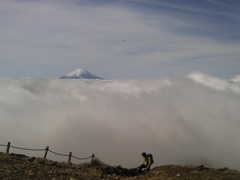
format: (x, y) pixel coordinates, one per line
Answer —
(15, 166)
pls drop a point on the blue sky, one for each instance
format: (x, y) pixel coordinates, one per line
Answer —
(120, 39)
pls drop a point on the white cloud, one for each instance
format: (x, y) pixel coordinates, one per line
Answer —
(236, 79)
(216, 83)
(176, 119)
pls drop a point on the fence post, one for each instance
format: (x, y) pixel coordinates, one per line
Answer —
(8, 147)
(46, 151)
(92, 159)
(69, 158)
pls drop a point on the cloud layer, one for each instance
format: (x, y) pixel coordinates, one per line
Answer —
(180, 120)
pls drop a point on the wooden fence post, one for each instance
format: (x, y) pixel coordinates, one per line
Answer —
(69, 158)
(8, 147)
(92, 159)
(46, 151)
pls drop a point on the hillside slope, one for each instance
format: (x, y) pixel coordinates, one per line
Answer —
(13, 166)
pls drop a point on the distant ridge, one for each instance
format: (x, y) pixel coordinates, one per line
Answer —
(80, 74)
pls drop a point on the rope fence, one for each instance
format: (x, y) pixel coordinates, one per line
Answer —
(27, 149)
(92, 157)
(57, 153)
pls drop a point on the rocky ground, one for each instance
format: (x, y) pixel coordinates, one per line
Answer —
(17, 167)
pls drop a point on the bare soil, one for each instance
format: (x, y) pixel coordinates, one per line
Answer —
(18, 167)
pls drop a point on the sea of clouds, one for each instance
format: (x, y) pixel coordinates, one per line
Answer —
(180, 120)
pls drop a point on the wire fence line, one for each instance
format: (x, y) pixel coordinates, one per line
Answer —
(92, 157)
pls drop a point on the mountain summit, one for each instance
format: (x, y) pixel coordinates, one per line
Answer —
(80, 74)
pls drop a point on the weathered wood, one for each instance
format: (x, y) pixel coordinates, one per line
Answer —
(69, 158)
(93, 155)
(46, 151)
(8, 147)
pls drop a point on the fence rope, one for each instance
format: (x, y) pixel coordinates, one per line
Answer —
(99, 160)
(58, 153)
(27, 149)
(47, 149)
(81, 158)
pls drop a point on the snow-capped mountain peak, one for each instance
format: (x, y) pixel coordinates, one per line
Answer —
(80, 74)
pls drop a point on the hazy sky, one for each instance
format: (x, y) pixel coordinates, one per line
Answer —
(119, 39)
